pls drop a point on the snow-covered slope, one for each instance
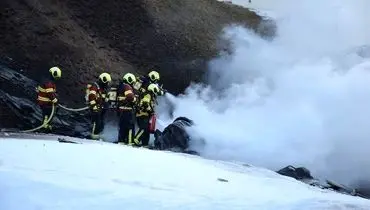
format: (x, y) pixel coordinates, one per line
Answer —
(262, 7)
(260, 4)
(46, 174)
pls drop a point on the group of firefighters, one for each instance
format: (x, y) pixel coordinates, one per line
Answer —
(134, 98)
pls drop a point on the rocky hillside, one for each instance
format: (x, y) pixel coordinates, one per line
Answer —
(86, 37)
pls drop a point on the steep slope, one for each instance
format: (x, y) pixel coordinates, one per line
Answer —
(104, 176)
(90, 36)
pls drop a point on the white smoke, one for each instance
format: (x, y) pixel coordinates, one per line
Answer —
(301, 99)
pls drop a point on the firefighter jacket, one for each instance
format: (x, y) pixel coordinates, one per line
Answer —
(96, 97)
(46, 93)
(126, 98)
(146, 105)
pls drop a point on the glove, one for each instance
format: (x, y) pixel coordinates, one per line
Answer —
(144, 107)
(162, 92)
(54, 101)
(95, 108)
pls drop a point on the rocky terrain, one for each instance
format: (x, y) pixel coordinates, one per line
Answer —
(87, 37)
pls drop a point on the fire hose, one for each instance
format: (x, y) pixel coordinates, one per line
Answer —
(43, 124)
(51, 117)
(73, 110)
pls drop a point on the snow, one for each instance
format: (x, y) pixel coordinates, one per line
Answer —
(261, 7)
(260, 4)
(46, 174)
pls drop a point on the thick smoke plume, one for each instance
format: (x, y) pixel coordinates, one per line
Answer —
(302, 98)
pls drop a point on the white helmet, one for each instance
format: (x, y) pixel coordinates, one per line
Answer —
(55, 72)
(153, 88)
(154, 76)
(129, 78)
(105, 78)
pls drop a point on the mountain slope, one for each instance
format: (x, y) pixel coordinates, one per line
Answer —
(87, 37)
(96, 175)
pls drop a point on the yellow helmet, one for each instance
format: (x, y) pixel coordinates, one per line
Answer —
(129, 78)
(154, 76)
(105, 78)
(153, 88)
(56, 73)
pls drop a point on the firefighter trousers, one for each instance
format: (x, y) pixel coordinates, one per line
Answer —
(126, 127)
(143, 134)
(97, 124)
(46, 114)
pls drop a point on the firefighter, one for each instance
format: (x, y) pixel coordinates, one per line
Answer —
(143, 82)
(97, 99)
(145, 110)
(126, 100)
(47, 95)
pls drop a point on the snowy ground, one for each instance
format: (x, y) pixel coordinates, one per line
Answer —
(45, 174)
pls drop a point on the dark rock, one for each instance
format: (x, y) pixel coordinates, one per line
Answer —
(17, 97)
(363, 188)
(222, 180)
(176, 138)
(304, 175)
(296, 173)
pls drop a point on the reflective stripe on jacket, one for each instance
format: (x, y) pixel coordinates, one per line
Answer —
(146, 105)
(96, 96)
(46, 93)
(125, 97)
